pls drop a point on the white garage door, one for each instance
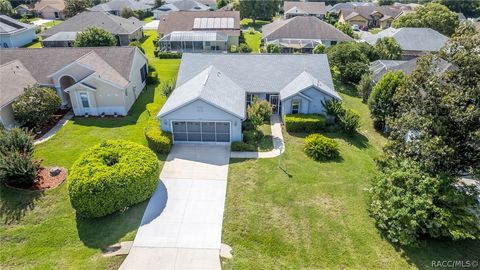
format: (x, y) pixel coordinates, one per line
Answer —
(188, 131)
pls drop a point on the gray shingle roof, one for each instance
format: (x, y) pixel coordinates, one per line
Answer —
(312, 8)
(118, 5)
(45, 61)
(9, 25)
(111, 23)
(380, 67)
(349, 5)
(14, 77)
(412, 39)
(232, 75)
(367, 11)
(183, 5)
(303, 27)
(62, 36)
(184, 21)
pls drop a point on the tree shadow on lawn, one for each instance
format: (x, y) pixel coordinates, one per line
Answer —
(105, 231)
(14, 203)
(145, 97)
(346, 89)
(432, 251)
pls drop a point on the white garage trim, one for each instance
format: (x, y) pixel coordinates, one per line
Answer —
(202, 121)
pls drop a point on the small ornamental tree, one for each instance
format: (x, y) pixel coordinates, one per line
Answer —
(319, 49)
(244, 48)
(387, 48)
(364, 87)
(94, 37)
(36, 106)
(320, 148)
(381, 102)
(273, 48)
(345, 28)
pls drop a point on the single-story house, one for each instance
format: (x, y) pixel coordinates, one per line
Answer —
(380, 67)
(124, 30)
(296, 8)
(14, 78)
(213, 91)
(24, 9)
(49, 9)
(93, 81)
(115, 6)
(302, 33)
(371, 16)
(187, 31)
(182, 5)
(212, 4)
(413, 41)
(14, 34)
(349, 5)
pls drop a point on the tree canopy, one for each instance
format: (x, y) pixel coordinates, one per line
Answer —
(73, 7)
(259, 9)
(221, 3)
(319, 49)
(349, 60)
(387, 48)
(36, 106)
(94, 37)
(468, 8)
(431, 15)
(127, 13)
(345, 28)
(6, 8)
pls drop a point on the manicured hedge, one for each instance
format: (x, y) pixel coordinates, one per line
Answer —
(167, 55)
(111, 176)
(305, 123)
(243, 147)
(320, 147)
(158, 140)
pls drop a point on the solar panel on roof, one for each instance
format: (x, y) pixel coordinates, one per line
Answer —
(196, 23)
(223, 23)
(230, 23)
(210, 23)
(213, 23)
(216, 23)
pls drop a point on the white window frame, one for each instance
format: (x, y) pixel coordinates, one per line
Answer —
(81, 101)
(294, 101)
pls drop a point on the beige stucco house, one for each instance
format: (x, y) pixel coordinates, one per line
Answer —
(47, 9)
(92, 81)
(371, 16)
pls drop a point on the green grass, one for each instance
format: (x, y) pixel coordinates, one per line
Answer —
(253, 40)
(313, 215)
(247, 23)
(52, 23)
(35, 44)
(374, 30)
(41, 230)
(266, 143)
(147, 19)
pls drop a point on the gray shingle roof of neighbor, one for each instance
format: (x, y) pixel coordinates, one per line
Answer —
(62, 36)
(118, 5)
(212, 86)
(183, 5)
(9, 25)
(14, 77)
(109, 22)
(412, 39)
(380, 67)
(349, 5)
(41, 63)
(314, 8)
(303, 27)
(253, 73)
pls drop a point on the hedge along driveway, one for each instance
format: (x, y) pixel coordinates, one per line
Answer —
(41, 230)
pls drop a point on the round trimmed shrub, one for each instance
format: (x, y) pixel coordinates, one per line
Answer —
(320, 147)
(111, 176)
(158, 140)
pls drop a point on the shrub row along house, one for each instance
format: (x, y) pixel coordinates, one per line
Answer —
(213, 91)
(293, 9)
(64, 34)
(372, 16)
(199, 31)
(47, 9)
(302, 33)
(15, 34)
(93, 81)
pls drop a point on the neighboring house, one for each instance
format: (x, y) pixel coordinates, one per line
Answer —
(14, 78)
(93, 81)
(124, 30)
(24, 9)
(14, 34)
(182, 5)
(302, 33)
(349, 5)
(413, 41)
(380, 67)
(115, 6)
(292, 9)
(49, 9)
(186, 31)
(213, 91)
(371, 16)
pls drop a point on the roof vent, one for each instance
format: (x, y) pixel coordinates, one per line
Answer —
(218, 74)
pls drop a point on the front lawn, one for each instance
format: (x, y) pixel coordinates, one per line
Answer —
(253, 40)
(35, 44)
(41, 230)
(247, 23)
(52, 23)
(312, 215)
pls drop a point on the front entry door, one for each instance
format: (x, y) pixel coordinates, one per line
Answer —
(274, 103)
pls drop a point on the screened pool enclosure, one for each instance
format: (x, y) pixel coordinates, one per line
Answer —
(193, 41)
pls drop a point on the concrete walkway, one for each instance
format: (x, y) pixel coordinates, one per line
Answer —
(153, 25)
(47, 136)
(41, 22)
(278, 143)
(182, 225)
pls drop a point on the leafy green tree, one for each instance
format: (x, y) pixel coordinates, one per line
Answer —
(259, 9)
(94, 37)
(73, 7)
(387, 48)
(349, 60)
(345, 28)
(244, 48)
(127, 13)
(466, 27)
(221, 3)
(273, 48)
(364, 87)
(331, 18)
(6, 8)
(319, 49)
(468, 8)
(36, 106)
(385, 2)
(431, 15)
(381, 103)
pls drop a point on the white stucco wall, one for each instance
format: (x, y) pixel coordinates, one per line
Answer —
(17, 39)
(314, 105)
(202, 111)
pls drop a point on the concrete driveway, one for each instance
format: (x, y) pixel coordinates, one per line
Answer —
(182, 225)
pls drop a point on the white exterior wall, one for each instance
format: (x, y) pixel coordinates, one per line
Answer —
(202, 111)
(6, 116)
(307, 106)
(18, 39)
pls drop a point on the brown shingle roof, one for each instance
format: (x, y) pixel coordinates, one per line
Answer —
(303, 27)
(45, 61)
(183, 21)
(314, 8)
(14, 77)
(367, 11)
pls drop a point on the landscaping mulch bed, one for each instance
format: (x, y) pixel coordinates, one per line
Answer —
(45, 180)
(53, 121)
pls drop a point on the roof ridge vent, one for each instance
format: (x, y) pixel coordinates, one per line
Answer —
(206, 79)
